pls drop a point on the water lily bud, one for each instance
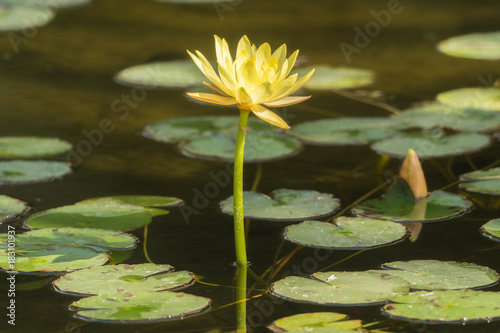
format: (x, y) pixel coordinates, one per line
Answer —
(412, 172)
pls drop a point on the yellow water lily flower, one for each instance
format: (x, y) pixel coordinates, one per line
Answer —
(256, 78)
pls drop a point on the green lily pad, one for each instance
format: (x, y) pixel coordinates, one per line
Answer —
(52, 259)
(193, 2)
(344, 131)
(138, 200)
(112, 279)
(482, 45)
(27, 172)
(442, 275)
(487, 98)
(166, 74)
(327, 320)
(328, 77)
(346, 233)
(175, 130)
(260, 146)
(11, 208)
(487, 182)
(341, 288)
(492, 229)
(96, 238)
(324, 330)
(285, 205)
(15, 17)
(139, 306)
(118, 217)
(446, 306)
(31, 146)
(431, 144)
(444, 116)
(47, 3)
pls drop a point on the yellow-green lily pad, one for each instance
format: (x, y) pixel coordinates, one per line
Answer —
(330, 321)
(487, 98)
(29, 172)
(492, 229)
(138, 200)
(31, 147)
(486, 182)
(15, 16)
(47, 3)
(11, 208)
(328, 77)
(479, 45)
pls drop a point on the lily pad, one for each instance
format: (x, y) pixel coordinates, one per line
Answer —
(118, 217)
(446, 306)
(285, 205)
(47, 3)
(328, 77)
(139, 306)
(138, 200)
(15, 17)
(346, 233)
(11, 208)
(492, 229)
(175, 130)
(31, 147)
(260, 146)
(112, 279)
(487, 98)
(28, 172)
(341, 288)
(487, 182)
(52, 259)
(442, 275)
(482, 45)
(166, 74)
(193, 2)
(431, 144)
(327, 320)
(344, 131)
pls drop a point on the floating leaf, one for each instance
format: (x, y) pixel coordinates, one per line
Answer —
(26, 172)
(31, 146)
(492, 229)
(52, 259)
(45, 4)
(285, 205)
(194, 2)
(260, 146)
(328, 77)
(93, 215)
(487, 182)
(442, 275)
(346, 233)
(447, 306)
(327, 320)
(112, 279)
(175, 130)
(482, 45)
(11, 208)
(480, 97)
(431, 144)
(18, 17)
(138, 200)
(139, 306)
(341, 288)
(344, 131)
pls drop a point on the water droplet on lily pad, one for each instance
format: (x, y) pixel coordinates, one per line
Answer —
(487, 98)
(31, 147)
(14, 16)
(492, 229)
(486, 182)
(139, 306)
(329, 321)
(28, 172)
(111, 279)
(11, 208)
(346, 233)
(480, 45)
(328, 77)
(285, 205)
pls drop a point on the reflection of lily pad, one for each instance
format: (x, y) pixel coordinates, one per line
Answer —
(341, 288)
(285, 205)
(482, 45)
(175, 130)
(11, 208)
(431, 144)
(492, 229)
(447, 306)
(487, 182)
(139, 306)
(260, 146)
(442, 275)
(343, 131)
(328, 77)
(30, 146)
(138, 200)
(482, 98)
(346, 233)
(16, 17)
(330, 321)
(26, 172)
(94, 215)
(111, 279)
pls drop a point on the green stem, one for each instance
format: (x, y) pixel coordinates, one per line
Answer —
(239, 223)
(241, 301)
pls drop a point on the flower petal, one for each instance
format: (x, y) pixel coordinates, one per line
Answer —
(262, 92)
(290, 100)
(244, 45)
(214, 99)
(295, 87)
(214, 88)
(268, 116)
(247, 76)
(243, 98)
(207, 70)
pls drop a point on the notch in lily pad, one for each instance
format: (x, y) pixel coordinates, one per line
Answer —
(285, 205)
(482, 181)
(11, 208)
(29, 172)
(329, 321)
(328, 77)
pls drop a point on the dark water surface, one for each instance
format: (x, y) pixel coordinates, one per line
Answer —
(60, 83)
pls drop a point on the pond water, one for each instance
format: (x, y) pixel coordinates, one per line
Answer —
(57, 81)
